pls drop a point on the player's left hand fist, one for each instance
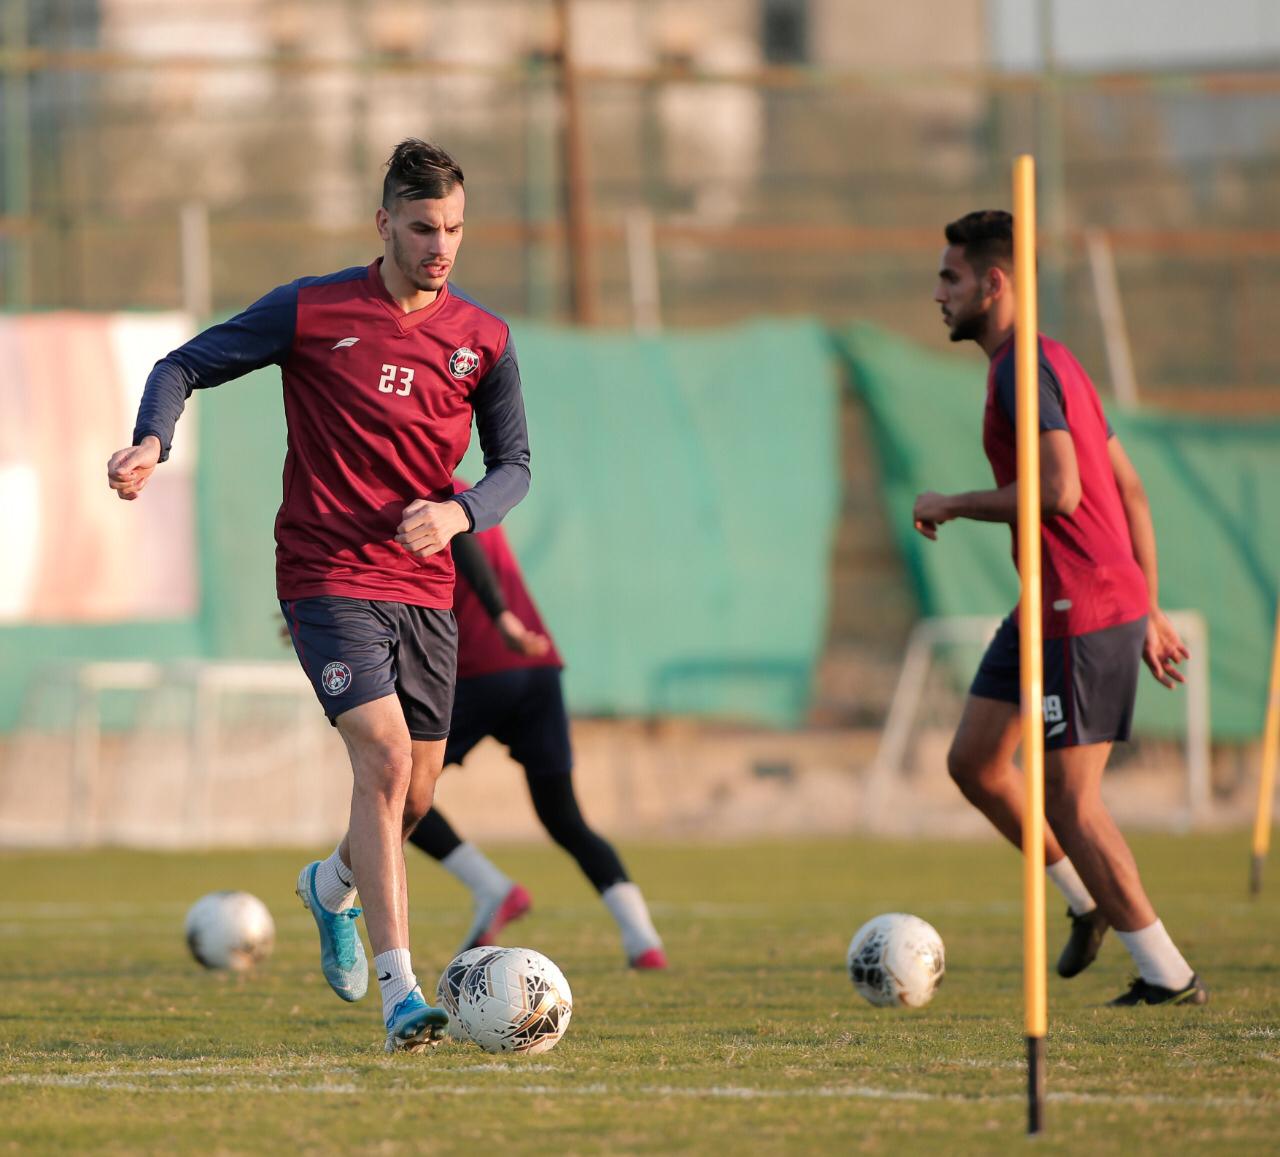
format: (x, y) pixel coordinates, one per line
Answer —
(1164, 649)
(931, 511)
(426, 527)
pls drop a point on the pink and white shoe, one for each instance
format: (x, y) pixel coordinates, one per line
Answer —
(493, 918)
(650, 960)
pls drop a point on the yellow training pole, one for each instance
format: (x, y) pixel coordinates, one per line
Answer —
(1026, 351)
(1267, 780)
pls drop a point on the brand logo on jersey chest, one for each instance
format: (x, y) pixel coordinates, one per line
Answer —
(463, 361)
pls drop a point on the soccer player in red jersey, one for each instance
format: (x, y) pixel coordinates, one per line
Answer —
(509, 688)
(383, 367)
(1101, 616)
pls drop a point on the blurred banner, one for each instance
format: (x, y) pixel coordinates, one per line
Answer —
(74, 552)
(1211, 483)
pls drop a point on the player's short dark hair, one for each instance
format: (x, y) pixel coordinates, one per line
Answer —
(419, 171)
(986, 236)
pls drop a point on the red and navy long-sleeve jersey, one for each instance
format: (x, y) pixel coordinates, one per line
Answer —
(1091, 578)
(378, 404)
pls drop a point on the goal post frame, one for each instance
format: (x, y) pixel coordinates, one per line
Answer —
(951, 630)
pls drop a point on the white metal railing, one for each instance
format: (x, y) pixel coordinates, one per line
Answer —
(203, 681)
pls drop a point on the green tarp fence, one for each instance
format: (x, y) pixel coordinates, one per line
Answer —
(686, 492)
(677, 535)
(1213, 487)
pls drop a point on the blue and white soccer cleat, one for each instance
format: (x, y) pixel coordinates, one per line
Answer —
(342, 956)
(414, 1024)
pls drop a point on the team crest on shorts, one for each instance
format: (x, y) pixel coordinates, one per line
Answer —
(335, 678)
(463, 361)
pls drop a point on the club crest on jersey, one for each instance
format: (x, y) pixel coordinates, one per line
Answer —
(335, 678)
(463, 362)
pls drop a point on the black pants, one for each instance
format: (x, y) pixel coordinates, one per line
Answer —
(524, 711)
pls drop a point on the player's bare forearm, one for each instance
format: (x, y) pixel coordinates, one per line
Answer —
(932, 509)
(1137, 513)
(1059, 492)
(980, 505)
(1142, 532)
(1164, 650)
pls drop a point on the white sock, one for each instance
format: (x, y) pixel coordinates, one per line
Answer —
(395, 976)
(1067, 880)
(335, 884)
(1157, 957)
(471, 867)
(626, 904)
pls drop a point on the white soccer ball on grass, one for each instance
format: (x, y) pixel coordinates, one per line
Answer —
(451, 981)
(231, 930)
(896, 960)
(516, 1001)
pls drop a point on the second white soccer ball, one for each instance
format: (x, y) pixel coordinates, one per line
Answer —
(896, 960)
(516, 1001)
(230, 930)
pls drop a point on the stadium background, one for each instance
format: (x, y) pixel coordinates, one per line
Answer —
(714, 232)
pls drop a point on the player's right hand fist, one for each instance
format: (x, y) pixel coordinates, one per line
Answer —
(129, 470)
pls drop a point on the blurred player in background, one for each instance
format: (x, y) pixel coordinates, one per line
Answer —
(383, 369)
(509, 688)
(1101, 616)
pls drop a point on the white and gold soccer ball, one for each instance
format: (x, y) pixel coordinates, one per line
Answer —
(896, 960)
(517, 1001)
(230, 930)
(451, 980)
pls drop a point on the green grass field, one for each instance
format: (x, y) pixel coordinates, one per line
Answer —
(114, 1041)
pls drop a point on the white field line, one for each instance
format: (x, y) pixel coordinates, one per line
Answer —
(114, 1083)
(251, 1070)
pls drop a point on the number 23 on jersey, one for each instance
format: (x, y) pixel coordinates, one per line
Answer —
(391, 374)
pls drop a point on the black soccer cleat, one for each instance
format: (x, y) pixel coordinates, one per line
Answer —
(1142, 992)
(1082, 945)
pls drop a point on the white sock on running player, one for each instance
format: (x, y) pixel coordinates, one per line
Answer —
(1067, 880)
(395, 977)
(335, 884)
(626, 904)
(1157, 957)
(471, 867)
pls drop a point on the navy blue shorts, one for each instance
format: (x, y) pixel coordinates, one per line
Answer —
(523, 710)
(356, 650)
(1090, 681)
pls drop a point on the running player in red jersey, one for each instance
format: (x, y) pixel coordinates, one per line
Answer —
(383, 366)
(509, 688)
(1101, 616)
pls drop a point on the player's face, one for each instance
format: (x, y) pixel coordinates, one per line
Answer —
(962, 296)
(422, 238)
